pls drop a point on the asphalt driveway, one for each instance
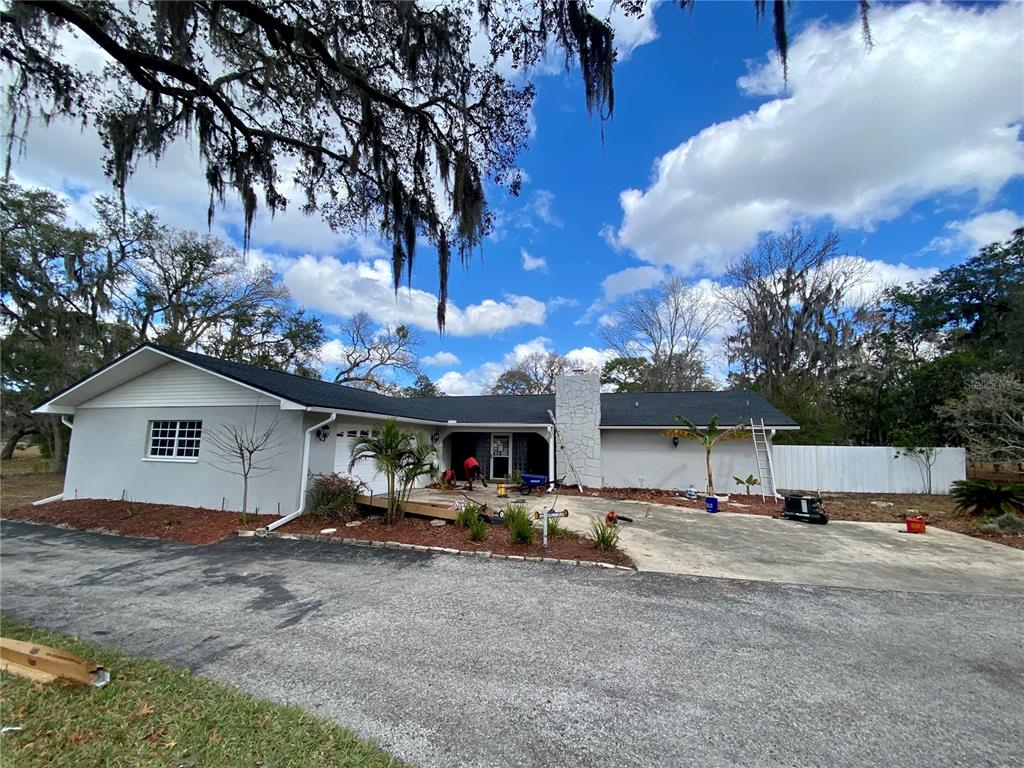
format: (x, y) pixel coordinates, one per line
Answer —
(453, 661)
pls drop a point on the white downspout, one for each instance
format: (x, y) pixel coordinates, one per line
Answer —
(305, 476)
(59, 496)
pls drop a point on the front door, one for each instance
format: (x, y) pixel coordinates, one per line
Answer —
(501, 451)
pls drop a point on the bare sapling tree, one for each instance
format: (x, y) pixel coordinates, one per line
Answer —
(246, 449)
(668, 326)
(925, 457)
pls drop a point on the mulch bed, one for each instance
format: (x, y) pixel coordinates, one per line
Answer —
(192, 525)
(414, 530)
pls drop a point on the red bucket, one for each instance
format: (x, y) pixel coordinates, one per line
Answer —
(915, 524)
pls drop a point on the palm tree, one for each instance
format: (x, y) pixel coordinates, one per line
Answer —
(390, 449)
(707, 436)
(418, 463)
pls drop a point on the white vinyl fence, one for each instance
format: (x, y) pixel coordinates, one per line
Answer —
(872, 469)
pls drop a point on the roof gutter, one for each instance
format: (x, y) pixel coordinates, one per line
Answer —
(370, 415)
(305, 475)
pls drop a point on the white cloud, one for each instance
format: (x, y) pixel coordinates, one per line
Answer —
(531, 263)
(440, 358)
(981, 230)
(562, 301)
(859, 137)
(343, 288)
(631, 32)
(590, 357)
(630, 280)
(540, 205)
(879, 275)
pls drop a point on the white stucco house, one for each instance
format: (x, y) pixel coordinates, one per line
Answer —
(141, 429)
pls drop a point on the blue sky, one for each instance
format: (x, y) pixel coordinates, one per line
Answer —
(912, 151)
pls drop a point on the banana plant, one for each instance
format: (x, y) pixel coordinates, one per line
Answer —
(749, 481)
(707, 436)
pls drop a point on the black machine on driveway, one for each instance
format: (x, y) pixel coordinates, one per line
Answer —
(805, 508)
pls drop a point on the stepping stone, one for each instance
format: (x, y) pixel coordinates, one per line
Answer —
(354, 524)
(328, 531)
(437, 523)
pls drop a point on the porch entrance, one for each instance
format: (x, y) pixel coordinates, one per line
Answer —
(500, 453)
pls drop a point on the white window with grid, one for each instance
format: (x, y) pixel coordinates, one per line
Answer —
(174, 439)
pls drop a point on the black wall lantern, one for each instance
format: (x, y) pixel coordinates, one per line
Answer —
(675, 441)
(435, 437)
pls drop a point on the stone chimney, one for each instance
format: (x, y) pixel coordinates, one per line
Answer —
(578, 438)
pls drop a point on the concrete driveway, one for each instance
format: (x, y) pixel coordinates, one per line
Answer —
(451, 661)
(669, 539)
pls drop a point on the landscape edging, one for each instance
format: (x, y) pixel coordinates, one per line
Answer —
(424, 548)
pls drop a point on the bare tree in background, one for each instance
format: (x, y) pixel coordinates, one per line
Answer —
(667, 325)
(245, 450)
(535, 374)
(797, 317)
(369, 350)
(990, 418)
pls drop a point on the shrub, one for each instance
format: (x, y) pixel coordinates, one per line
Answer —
(333, 497)
(478, 530)
(1007, 522)
(519, 525)
(985, 497)
(605, 536)
(466, 515)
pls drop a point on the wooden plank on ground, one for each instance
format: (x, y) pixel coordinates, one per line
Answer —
(421, 508)
(39, 662)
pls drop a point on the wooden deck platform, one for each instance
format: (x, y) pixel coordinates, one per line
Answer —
(420, 508)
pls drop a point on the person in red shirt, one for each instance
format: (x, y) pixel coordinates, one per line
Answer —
(472, 469)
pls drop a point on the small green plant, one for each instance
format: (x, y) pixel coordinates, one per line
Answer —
(1004, 523)
(333, 497)
(985, 497)
(467, 515)
(605, 536)
(749, 481)
(132, 509)
(243, 519)
(556, 529)
(478, 530)
(519, 525)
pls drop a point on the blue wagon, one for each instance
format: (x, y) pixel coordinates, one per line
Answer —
(534, 481)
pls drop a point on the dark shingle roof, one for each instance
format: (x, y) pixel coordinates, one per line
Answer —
(657, 409)
(653, 409)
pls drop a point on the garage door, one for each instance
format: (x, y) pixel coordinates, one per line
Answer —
(365, 470)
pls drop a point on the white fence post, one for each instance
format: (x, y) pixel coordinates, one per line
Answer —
(863, 469)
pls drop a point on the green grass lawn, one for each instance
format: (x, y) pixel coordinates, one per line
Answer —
(151, 714)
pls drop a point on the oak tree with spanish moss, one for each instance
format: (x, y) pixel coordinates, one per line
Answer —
(382, 113)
